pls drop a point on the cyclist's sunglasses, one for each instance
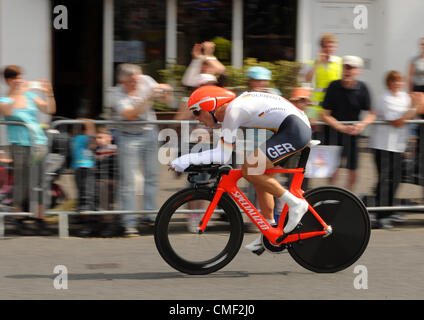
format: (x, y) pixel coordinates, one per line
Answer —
(196, 113)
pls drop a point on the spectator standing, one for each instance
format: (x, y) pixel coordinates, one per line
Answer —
(204, 66)
(389, 141)
(84, 165)
(202, 70)
(106, 168)
(416, 71)
(134, 101)
(27, 148)
(344, 101)
(416, 84)
(327, 67)
(106, 176)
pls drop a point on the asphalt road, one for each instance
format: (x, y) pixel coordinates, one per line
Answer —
(391, 268)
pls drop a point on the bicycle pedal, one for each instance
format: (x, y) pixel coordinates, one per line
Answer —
(259, 251)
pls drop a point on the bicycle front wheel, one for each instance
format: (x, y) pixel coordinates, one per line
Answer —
(351, 230)
(189, 251)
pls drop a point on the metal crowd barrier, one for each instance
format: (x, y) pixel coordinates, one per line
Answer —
(63, 222)
(64, 215)
(414, 175)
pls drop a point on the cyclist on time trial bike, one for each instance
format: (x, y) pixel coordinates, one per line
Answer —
(212, 104)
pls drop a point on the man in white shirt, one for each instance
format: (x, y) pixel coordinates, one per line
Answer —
(133, 101)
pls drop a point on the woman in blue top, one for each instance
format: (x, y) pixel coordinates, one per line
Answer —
(23, 105)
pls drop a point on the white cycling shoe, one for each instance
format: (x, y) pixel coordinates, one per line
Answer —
(295, 215)
(256, 246)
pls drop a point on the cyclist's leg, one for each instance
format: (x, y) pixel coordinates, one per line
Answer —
(292, 137)
(253, 171)
(267, 187)
(265, 203)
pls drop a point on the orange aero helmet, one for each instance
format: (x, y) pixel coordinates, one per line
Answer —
(209, 98)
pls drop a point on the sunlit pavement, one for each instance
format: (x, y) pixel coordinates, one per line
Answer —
(35, 268)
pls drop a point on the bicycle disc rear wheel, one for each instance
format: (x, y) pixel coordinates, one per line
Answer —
(188, 251)
(351, 230)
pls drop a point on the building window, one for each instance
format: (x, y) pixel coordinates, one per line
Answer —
(270, 29)
(139, 34)
(204, 20)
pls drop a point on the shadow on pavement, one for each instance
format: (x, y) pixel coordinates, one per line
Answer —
(145, 275)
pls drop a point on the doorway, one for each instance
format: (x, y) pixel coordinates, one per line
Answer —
(78, 60)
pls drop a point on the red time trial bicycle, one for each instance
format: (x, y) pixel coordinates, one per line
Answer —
(332, 235)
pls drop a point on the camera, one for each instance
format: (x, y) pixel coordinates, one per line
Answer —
(34, 85)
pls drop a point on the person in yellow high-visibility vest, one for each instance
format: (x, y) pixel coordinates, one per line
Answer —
(326, 68)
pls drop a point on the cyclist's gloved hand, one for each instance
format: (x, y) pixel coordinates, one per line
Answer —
(181, 163)
(202, 158)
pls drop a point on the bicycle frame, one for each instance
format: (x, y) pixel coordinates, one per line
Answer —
(228, 183)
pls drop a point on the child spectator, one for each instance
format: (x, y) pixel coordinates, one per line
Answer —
(106, 177)
(83, 163)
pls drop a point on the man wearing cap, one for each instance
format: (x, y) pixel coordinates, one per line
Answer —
(344, 101)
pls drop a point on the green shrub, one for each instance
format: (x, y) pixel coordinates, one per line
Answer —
(284, 77)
